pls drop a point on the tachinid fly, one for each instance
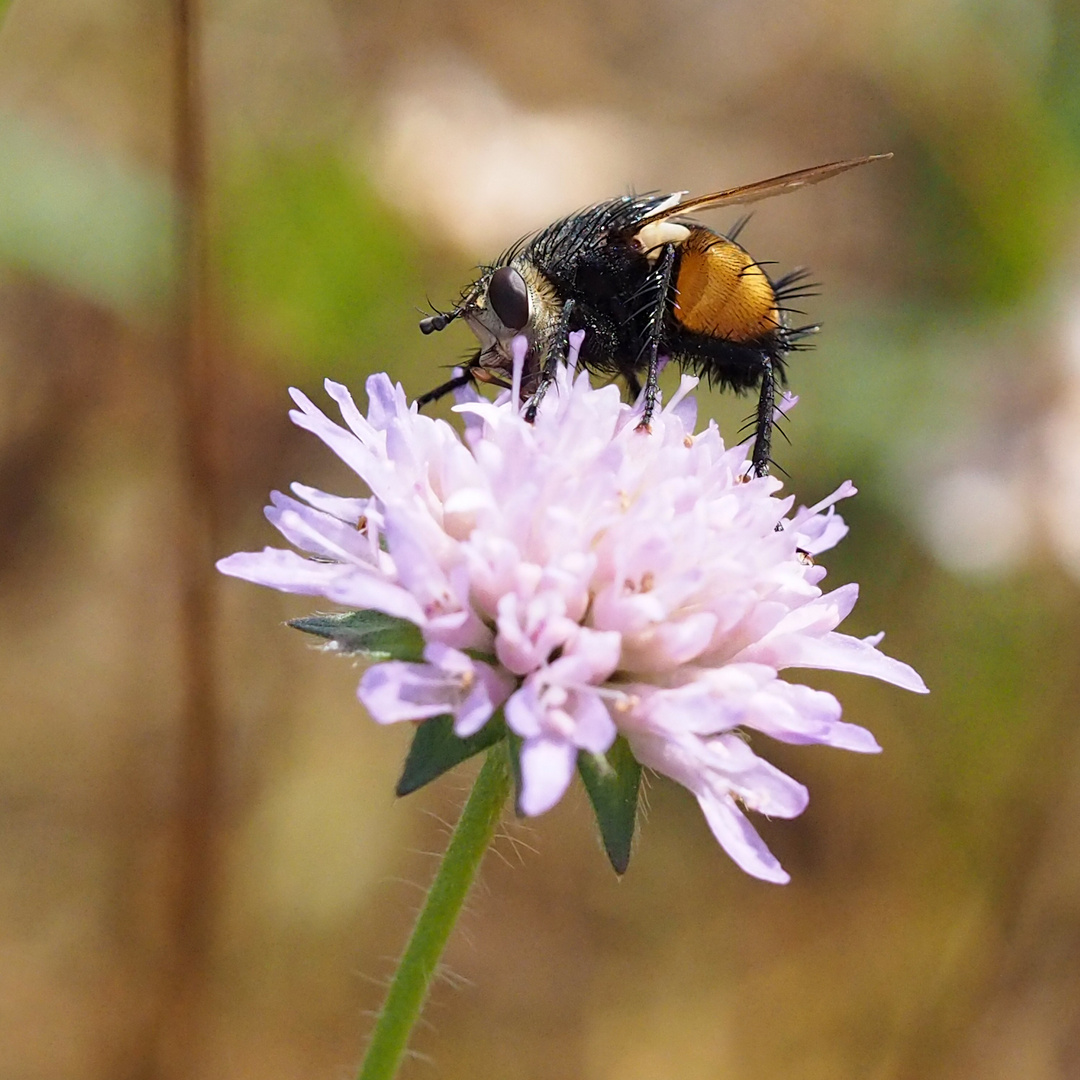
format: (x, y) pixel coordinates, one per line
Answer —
(644, 282)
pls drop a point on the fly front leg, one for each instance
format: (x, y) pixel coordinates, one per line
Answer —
(651, 349)
(447, 387)
(557, 353)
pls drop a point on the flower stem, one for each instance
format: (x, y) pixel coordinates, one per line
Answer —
(409, 989)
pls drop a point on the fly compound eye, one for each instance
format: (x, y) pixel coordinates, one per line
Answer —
(509, 298)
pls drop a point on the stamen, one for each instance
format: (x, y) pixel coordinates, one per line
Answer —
(518, 348)
(562, 722)
(575, 339)
(844, 491)
(621, 701)
(787, 402)
(686, 385)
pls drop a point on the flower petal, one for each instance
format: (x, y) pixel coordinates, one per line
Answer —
(798, 714)
(594, 730)
(354, 586)
(344, 509)
(547, 767)
(315, 531)
(397, 690)
(489, 690)
(524, 713)
(740, 839)
(360, 458)
(839, 652)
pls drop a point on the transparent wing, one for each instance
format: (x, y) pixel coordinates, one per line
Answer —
(763, 189)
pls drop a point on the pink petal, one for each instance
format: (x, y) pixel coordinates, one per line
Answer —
(474, 712)
(594, 730)
(315, 531)
(284, 570)
(733, 767)
(450, 683)
(524, 713)
(839, 652)
(591, 656)
(821, 533)
(347, 446)
(352, 586)
(797, 714)
(344, 509)
(740, 840)
(547, 767)
(400, 691)
(488, 692)
(386, 400)
(678, 643)
(360, 427)
(699, 707)
(530, 630)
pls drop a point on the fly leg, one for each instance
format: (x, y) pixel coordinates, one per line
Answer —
(651, 348)
(447, 387)
(556, 353)
(760, 458)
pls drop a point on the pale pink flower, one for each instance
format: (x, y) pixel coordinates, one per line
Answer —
(591, 580)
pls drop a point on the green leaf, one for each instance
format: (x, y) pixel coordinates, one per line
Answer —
(366, 633)
(612, 781)
(435, 749)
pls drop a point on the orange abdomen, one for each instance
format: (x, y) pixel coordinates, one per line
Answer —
(722, 292)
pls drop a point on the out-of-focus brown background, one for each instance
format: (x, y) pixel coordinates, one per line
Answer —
(203, 870)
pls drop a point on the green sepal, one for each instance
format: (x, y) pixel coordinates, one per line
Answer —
(612, 781)
(370, 634)
(435, 749)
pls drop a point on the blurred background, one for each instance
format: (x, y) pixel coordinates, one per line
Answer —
(203, 870)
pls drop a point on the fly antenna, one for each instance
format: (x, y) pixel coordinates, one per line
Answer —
(434, 323)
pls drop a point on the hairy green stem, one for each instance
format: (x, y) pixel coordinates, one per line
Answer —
(409, 989)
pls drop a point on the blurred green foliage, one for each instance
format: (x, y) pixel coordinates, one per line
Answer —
(89, 221)
(317, 273)
(994, 179)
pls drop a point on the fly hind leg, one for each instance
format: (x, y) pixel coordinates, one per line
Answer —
(761, 458)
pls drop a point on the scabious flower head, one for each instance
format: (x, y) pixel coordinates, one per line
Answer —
(582, 580)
